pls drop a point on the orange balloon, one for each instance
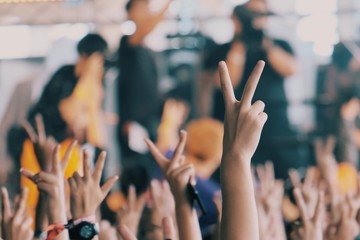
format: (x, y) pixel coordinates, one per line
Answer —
(347, 177)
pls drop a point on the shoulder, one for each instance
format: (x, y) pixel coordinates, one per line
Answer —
(65, 70)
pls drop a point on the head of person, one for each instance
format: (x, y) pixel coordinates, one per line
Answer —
(244, 19)
(259, 10)
(343, 58)
(204, 145)
(136, 8)
(90, 45)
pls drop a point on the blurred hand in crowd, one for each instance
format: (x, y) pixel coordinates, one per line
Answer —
(270, 194)
(16, 224)
(167, 228)
(86, 193)
(53, 185)
(107, 232)
(309, 189)
(162, 205)
(312, 223)
(43, 145)
(179, 175)
(174, 115)
(129, 215)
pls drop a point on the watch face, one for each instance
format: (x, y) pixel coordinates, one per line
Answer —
(87, 231)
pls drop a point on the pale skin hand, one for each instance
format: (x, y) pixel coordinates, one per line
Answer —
(86, 194)
(16, 225)
(52, 184)
(179, 175)
(242, 129)
(309, 189)
(167, 226)
(163, 201)
(270, 198)
(174, 115)
(312, 225)
(43, 148)
(130, 214)
(43, 145)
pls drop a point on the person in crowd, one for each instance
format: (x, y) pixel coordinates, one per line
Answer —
(339, 93)
(251, 203)
(248, 45)
(70, 107)
(138, 98)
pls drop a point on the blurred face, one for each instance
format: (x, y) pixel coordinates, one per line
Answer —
(95, 61)
(139, 9)
(258, 7)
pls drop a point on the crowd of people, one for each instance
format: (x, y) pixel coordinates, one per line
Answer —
(235, 171)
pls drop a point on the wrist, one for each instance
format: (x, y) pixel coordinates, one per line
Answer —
(57, 213)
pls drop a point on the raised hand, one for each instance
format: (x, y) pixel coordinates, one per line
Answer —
(52, 184)
(312, 224)
(325, 158)
(86, 194)
(130, 214)
(163, 203)
(167, 227)
(244, 120)
(243, 125)
(177, 173)
(173, 116)
(16, 225)
(43, 145)
(179, 176)
(309, 188)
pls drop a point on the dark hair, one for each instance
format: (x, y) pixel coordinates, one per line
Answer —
(90, 44)
(341, 56)
(128, 5)
(249, 34)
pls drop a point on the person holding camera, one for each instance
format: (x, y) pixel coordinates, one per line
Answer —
(247, 46)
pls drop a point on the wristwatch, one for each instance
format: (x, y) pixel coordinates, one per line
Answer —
(84, 231)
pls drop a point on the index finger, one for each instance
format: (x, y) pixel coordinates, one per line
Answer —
(5, 202)
(160, 159)
(99, 166)
(30, 131)
(252, 83)
(179, 150)
(302, 207)
(226, 85)
(67, 155)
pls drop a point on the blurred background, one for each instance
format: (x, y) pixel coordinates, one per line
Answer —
(39, 36)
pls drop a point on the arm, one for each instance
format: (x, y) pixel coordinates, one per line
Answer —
(82, 110)
(145, 22)
(15, 225)
(242, 129)
(52, 184)
(179, 175)
(282, 61)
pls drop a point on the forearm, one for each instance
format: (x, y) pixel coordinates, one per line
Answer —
(283, 62)
(239, 214)
(280, 226)
(95, 131)
(188, 223)
(146, 25)
(56, 212)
